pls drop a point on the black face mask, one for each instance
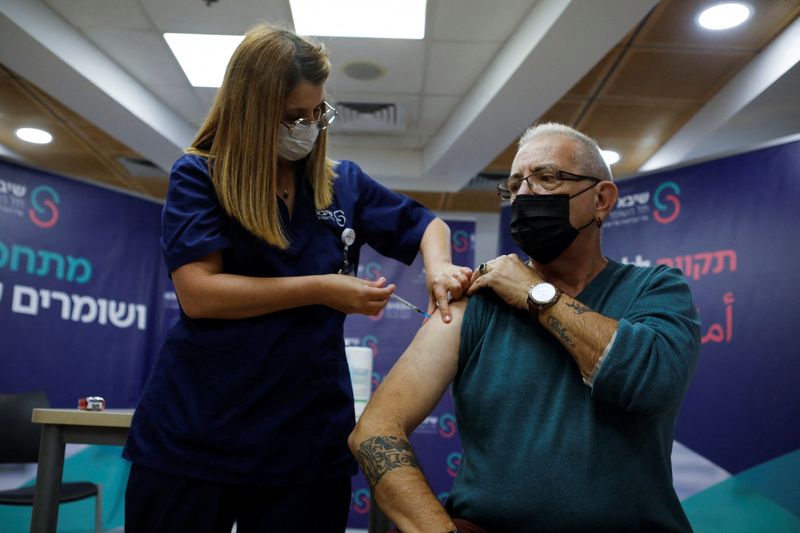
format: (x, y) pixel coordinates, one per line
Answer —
(540, 224)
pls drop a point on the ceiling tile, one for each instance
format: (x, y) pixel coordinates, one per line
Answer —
(15, 103)
(224, 17)
(145, 55)
(85, 14)
(55, 107)
(589, 84)
(612, 122)
(454, 67)
(633, 156)
(565, 111)
(435, 110)
(676, 74)
(401, 60)
(673, 23)
(475, 20)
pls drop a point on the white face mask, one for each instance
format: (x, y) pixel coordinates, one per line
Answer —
(300, 144)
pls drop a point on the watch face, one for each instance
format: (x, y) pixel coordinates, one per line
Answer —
(543, 292)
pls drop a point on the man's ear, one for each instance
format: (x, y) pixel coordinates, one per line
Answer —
(606, 194)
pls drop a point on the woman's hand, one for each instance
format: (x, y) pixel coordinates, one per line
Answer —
(446, 282)
(350, 294)
(508, 277)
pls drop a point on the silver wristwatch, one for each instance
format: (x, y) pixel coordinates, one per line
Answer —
(542, 295)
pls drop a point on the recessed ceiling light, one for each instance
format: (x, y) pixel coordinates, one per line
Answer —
(384, 19)
(202, 57)
(724, 16)
(610, 156)
(34, 135)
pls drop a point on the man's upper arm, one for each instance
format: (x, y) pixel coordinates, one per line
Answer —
(417, 381)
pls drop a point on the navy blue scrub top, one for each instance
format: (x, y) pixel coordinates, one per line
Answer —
(265, 400)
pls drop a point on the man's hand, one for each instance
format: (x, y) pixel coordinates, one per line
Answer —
(446, 282)
(508, 277)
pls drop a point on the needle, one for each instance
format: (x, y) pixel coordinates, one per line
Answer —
(409, 304)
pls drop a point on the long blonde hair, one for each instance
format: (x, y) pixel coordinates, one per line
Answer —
(240, 134)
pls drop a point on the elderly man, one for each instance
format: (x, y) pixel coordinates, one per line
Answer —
(568, 372)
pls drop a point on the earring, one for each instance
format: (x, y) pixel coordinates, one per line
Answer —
(599, 222)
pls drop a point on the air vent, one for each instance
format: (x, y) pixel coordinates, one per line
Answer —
(141, 168)
(374, 117)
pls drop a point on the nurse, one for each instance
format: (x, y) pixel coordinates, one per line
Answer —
(246, 415)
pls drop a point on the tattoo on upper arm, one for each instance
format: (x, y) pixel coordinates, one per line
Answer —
(557, 328)
(378, 455)
(578, 307)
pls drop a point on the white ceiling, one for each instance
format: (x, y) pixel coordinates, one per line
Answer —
(485, 70)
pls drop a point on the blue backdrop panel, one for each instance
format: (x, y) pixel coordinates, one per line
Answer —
(436, 440)
(730, 225)
(81, 288)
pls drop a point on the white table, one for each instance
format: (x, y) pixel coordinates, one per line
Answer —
(60, 426)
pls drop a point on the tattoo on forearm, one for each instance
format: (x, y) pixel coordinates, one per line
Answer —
(378, 455)
(579, 309)
(560, 330)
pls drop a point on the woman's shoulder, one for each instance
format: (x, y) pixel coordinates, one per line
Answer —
(191, 161)
(346, 169)
(191, 169)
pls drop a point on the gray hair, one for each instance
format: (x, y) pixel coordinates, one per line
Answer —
(587, 157)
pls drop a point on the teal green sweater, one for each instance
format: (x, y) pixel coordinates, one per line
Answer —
(545, 452)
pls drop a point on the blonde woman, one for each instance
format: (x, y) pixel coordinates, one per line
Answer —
(246, 415)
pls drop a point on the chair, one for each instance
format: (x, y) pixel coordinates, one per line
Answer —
(19, 443)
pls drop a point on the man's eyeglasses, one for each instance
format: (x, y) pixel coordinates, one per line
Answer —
(546, 179)
(324, 114)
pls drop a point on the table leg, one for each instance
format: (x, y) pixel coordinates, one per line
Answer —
(48, 480)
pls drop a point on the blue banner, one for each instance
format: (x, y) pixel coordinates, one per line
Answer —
(729, 226)
(82, 287)
(435, 441)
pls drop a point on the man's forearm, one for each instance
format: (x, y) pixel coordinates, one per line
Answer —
(584, 333)
(400, 488)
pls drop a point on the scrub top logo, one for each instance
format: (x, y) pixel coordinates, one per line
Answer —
(460, 241)
(447, 425)
(669, 211)
(453, 463)
(45, 202)
(333, 216)
(361, 501)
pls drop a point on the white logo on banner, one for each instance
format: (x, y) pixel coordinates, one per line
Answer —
(630, 209)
